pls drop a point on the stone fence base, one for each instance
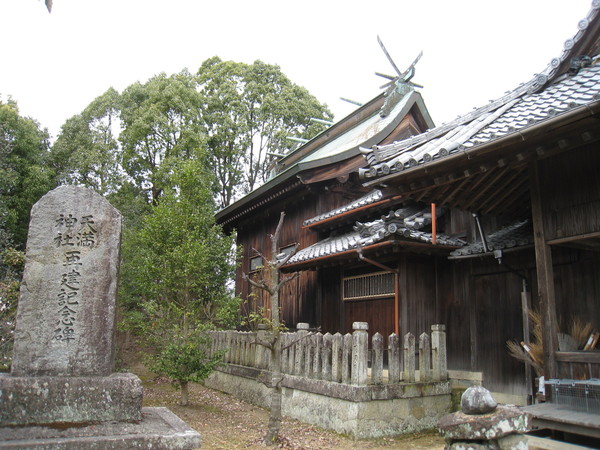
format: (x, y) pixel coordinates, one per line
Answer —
(360, 411)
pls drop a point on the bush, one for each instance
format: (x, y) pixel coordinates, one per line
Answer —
(184, 361)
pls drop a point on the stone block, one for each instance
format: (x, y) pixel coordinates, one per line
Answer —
(504, 421)
(159, 429)
(69, 400)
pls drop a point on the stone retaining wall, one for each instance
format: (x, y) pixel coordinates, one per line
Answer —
(360, 411)
(327, 380)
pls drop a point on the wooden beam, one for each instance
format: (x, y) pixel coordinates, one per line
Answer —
(455, 190)
(490, 178)
(507, 189)
(579, 237)
(579, 357)
(545, 276)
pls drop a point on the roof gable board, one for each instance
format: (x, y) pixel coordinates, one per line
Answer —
(335, 150)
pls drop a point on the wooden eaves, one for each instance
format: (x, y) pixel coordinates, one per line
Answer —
(492, 177)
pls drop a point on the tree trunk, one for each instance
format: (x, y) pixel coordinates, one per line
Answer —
(272, 435)
(275, 418)
(272, 285)
(185, 396)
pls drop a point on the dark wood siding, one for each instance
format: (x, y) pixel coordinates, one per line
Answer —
(577, 286)
(420, 298)
(498, 318)
(332, 313)
(378, 313)
(455, 312)
(480, 303)
(301, 298)
(570, 187)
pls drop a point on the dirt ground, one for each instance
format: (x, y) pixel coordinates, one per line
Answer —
(227, 423)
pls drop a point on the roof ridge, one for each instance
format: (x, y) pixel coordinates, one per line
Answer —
(378, 154)
(550, 72)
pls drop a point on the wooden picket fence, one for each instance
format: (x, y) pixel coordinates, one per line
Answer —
(347, 359)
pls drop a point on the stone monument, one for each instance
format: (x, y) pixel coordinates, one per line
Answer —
(62, 391)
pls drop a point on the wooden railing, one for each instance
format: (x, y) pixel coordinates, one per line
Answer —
(343, 359)
(578, 365)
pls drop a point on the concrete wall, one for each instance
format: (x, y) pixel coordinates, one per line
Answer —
(360, 411)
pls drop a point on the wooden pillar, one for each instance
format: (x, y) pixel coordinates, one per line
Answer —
(397, 302)
(525, 308)
(403, 294)
(545, 276)
(473, 305)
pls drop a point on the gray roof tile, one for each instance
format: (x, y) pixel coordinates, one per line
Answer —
(406, 223)
(511, 117)
(516, 235)
(368, 199)
(528, 104)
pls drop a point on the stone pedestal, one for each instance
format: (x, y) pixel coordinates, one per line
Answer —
(50, 400)
(62, 392)
(482, 424)
(159, 428)
(483, 431)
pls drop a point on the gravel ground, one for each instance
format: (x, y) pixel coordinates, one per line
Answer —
(227, 423)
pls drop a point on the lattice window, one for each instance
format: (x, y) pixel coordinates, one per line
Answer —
(287, 249)
(256, 264)
(372, 285)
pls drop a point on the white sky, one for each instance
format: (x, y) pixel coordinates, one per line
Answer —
(55, 64)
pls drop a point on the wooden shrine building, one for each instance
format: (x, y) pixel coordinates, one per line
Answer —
(471, 224)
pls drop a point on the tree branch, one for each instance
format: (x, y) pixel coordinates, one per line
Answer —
(288, 256)
(295, 341)
(261, 285)
(288, 279)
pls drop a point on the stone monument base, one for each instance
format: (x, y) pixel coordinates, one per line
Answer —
(66, 400)
(500, 429)
(159, 428)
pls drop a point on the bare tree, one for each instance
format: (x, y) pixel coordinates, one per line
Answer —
(271, 282)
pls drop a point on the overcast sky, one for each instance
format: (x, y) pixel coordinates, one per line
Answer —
(55, 64)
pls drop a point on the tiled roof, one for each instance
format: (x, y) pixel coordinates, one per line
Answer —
(519, 234)
(406, 223)
(525, 106)
(368, 199)
(484, 126)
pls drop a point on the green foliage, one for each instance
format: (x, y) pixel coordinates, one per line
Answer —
(14, 259)
(24, 178)
(185, 360)
(248, 111)
(11, 268)
(176, 265)
(253, 319)
(9, 296)
(238, 112)
(174, 274)
(86, 152)
(24, 173)
(161, 124)
(131, 201)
